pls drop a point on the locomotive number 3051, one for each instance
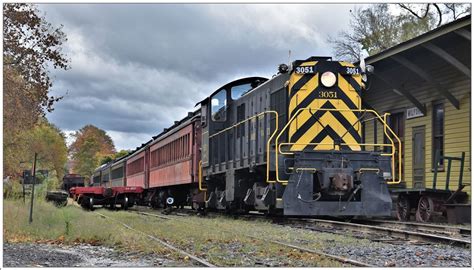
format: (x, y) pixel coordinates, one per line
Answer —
(328, 94)
(304, 70)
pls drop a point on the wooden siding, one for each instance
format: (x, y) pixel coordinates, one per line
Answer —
(456, 123)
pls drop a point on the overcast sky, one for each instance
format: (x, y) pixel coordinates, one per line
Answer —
(137, 68)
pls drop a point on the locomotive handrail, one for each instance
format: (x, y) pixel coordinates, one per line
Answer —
(268, 142)
(386, 127)
(200, 177)
(332, 144)
(245, 120)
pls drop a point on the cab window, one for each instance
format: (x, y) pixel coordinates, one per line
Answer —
(240, 90)
(219, 106)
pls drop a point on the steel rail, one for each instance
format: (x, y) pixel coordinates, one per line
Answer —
(437, 235)
(451, 230)
(320, 253)
(403, 234)
(169, 246)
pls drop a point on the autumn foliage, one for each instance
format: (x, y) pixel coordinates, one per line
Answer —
(90, 146)
(31, 46)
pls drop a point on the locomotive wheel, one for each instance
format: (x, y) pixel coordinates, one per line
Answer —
(403, 208)
(425, 209)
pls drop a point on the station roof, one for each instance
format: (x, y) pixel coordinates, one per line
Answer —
(411, 61)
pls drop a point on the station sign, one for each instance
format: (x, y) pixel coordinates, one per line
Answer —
(414, 113)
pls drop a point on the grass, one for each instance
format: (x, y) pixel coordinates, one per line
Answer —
(69, 225)
(219, 240)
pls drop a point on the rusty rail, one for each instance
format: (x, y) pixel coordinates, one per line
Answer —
(169, 246)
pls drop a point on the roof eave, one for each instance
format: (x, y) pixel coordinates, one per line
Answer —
(447, 28)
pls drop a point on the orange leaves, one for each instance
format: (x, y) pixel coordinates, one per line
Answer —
(91, 144)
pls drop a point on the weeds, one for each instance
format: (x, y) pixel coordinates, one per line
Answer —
(221, 241)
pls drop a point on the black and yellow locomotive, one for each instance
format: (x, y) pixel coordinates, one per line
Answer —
(294, 144)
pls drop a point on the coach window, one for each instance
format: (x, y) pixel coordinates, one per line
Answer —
(438, 133)
(240, 90)
(218, 106)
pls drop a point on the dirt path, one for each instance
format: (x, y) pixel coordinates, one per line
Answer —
(25, 255)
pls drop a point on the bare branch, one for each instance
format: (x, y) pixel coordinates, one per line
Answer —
(439, 13)
(414, 13)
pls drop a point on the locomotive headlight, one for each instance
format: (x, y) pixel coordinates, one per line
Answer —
(328, 79)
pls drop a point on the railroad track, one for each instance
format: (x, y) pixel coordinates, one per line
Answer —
(290, 245)
(394, 233)
(200, 261)
(395, 230)
(459, 232)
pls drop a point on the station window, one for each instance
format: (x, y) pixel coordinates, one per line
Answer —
(438, 133)
(219, 105)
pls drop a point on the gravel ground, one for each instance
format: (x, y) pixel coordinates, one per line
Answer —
(83, 255)
(397, 253)
(383, 254)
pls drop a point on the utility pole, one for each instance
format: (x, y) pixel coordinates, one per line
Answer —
(23, 181)
(33, 188)
(23, 185)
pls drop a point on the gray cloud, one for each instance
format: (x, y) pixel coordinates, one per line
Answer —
(137, 68)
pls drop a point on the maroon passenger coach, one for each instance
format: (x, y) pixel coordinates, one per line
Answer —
(163, 171)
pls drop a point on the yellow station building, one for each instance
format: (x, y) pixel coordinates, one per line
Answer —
(425, 85)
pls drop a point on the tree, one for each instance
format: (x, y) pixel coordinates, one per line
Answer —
(382, 26)
(90, 146)
(50, 143)
(30, 46)
(113, 157)
(46, 140)
(442, 12)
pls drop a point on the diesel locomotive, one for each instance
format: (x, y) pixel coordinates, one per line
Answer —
(293, 144)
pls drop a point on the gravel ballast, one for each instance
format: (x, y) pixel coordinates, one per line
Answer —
(83, 255)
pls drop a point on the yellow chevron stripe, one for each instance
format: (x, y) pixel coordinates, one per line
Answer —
(295, 77)
(326, 120)
(357, 78)
(345, 86)
(349, 115)
(346, 64)
(329, 120)
(310, 63)
(302, 93)
(322, 146)
(303, 117)
(307, 137)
